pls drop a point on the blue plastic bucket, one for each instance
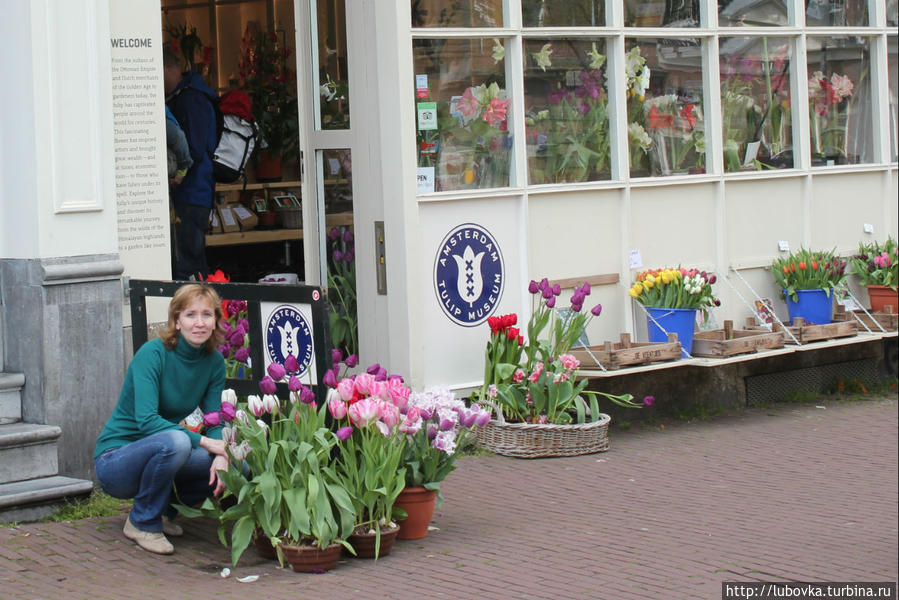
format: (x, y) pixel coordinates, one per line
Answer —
(814, 306)
(673, 320)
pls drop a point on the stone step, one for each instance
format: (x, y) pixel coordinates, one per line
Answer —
(35, 499)
(11, 396)
(28, 451)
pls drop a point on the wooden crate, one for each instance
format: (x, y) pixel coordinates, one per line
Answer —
(721, 343)
(613, 356)
(888, 319)
(815, 333)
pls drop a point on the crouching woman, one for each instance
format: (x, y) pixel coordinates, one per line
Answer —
(143, 452)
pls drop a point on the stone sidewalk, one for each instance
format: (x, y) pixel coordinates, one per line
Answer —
(793, 492)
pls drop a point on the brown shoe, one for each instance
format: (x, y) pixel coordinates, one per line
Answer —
(151, 542)
(171, 528)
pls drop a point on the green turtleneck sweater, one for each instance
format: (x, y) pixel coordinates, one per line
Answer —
(161, 388)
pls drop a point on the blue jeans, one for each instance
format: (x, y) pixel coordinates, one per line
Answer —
(147, 470)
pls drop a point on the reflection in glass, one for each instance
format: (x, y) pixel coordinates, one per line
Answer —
(457, 13)
(231, 22)
(666, 130)
(667, 13)
(892, 12)
(463, 111)
(755, 103)
(333, 81)
(739, 13)
(566, 105)
(894, 95)
(836, 13)
(187, 31)
(336, 178)
(563, 13)
(839, 91)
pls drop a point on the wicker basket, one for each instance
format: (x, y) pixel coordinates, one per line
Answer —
(291, 217)
(529, 440)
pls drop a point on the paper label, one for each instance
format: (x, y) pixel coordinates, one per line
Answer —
(334, 166)
(425, 180)
(752, 150)
(242, 213)
(421, 85)
(228, 217)
(427, 116)
(635, 260)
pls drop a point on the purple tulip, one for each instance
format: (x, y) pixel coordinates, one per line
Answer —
(532, 287)
(381, 375)
(713, 279)
(544, 283)
(586, 288)
(557, 289)
(551, 302)
(330, 379)
(267, 385)
(225, 350)
(648, 400)
(277, 371)
(334, 234)
(547, 293)
(578, 297)
(344, 433)
(212, 419)
(483, 418)
(373, 369)
(336, 355)
(294, 384)
(432, 431)
(226, 327)
(349, 255)
(291, 364)
(596, 310)
(347, 236)
(242, 355)
(337, 256)
(229, 411)
(352, 360)
(577, 307)
(237, 338)
(244, 324)
(307, 396)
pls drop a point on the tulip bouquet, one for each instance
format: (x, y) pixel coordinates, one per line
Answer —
(675, 288)
(829, 114)
(877, 264)
(435, 424)
(537, 382)
(808, 270)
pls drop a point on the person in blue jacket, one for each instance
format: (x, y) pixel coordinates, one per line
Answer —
(143, 451)
(191, 101)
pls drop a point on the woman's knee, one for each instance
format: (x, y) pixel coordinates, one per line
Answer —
(176, 442)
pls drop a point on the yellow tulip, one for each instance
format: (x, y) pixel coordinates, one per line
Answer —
(469, 175)
(638, 288)
(633, 293)
(666, 277)
(650, 281)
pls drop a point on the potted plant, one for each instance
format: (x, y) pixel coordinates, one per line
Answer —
(435, 424)
(877, 267)
(366, 409)
(671, 298)
(265, 73)
(288, 493)
(806, 278)
(542, 409)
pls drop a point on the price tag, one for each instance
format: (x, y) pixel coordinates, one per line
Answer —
(635, 259)
(427, 116)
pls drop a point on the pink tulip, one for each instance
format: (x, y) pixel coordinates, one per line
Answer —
(363, 413)
(337, 407)
(254, 404)
(346, 388)
(379, 390)
(363, 383)
(212, 419)
(388, 413)
(228, 411)
(483, 418)
(267, 385)
(344, 433)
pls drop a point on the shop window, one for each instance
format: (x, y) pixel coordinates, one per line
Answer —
(457, 13)
(334, 92)
(563, 13)
(567, 110)
(836, 13)
(463, 110)
(755, 103)
(737, 13)
(667, 13)
(840, 105)
(893, 66)
(666, 125)
(892, 7)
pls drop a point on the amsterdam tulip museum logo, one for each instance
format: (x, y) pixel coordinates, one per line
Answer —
(469, 274)
(287, 332)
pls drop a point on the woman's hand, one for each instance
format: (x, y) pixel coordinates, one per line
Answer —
(219, 463)
(212, 446)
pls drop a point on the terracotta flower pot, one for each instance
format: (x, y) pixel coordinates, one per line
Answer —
(312, 559)
(882, 296)
(419, 504)
(268, 167)
(364, 543)
(263, 546)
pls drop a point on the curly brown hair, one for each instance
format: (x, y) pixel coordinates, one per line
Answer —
(184, 297)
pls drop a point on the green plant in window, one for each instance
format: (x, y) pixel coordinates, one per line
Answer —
(571, 133)
(829, 109)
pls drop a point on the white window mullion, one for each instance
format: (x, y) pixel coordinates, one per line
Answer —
(880, 95)
(799, 103)
(515, 84)
(617, 107)
(711, 90)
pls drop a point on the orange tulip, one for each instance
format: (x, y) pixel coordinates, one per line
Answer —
(802, 265)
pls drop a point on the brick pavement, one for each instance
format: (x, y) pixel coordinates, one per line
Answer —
(791, 492)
